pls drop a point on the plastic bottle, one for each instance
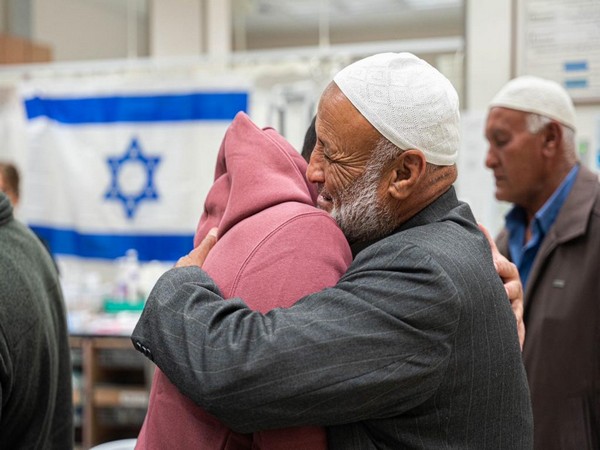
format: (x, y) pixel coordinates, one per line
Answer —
(131, 269)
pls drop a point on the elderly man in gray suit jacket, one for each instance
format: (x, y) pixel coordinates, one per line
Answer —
(416, 346)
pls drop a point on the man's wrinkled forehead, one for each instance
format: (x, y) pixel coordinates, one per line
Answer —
(506, 119)
(337, 115)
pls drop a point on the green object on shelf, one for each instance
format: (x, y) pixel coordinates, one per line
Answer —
(113, 305)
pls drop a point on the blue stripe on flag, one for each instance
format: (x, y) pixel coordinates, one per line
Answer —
(156, 108)
(103, 246)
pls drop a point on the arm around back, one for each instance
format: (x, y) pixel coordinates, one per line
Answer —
(374, 345)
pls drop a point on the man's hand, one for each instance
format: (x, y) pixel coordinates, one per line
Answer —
(512, 283)
(197, 256)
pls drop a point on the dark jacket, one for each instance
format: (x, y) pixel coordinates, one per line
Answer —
(562, 320)
(415, 347)
(35, 362)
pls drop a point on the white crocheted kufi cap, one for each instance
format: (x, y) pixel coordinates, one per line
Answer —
(407, 101)
(537, 95)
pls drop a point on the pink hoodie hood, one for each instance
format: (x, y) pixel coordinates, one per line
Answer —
(256, 169)
(274, 247)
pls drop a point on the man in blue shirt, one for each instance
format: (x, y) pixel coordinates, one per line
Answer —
(553, 236)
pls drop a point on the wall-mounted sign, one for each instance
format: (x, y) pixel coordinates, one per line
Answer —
(560, 40)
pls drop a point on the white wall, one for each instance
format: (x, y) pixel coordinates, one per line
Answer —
(175, 27)
(218, 20)
(488, 46)
(487, 69)
(78, 30)
(191, 28)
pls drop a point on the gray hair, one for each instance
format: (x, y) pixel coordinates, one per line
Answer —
(385, 152)
(536, 122)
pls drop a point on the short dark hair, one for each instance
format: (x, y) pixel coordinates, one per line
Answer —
(310, 140)
(10, 175)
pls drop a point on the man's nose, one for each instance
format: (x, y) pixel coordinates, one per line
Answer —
(314, 172)
(491, 160)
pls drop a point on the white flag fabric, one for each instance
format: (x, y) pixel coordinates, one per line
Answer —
(120, 167)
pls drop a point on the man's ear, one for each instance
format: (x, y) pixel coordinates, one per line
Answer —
(552, 135)
(407, 170)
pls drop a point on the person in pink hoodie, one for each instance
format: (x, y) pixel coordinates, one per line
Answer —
(273, 244)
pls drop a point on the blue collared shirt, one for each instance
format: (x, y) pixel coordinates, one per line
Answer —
(522, 254)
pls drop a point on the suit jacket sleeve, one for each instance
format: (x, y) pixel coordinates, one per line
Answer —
(373, 346)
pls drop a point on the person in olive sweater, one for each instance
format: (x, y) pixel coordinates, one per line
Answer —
(35, 363)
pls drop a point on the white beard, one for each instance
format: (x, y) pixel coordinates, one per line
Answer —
(358, 210)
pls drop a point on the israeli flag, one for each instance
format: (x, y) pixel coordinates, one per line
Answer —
(125, 167)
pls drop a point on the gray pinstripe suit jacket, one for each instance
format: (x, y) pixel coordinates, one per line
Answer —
(415, 347)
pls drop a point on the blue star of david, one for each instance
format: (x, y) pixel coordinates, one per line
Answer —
(131, 201)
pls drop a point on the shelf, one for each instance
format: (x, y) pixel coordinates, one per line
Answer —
(110, 389)
(120, 396)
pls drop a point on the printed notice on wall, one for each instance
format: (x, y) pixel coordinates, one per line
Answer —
(560, 40)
